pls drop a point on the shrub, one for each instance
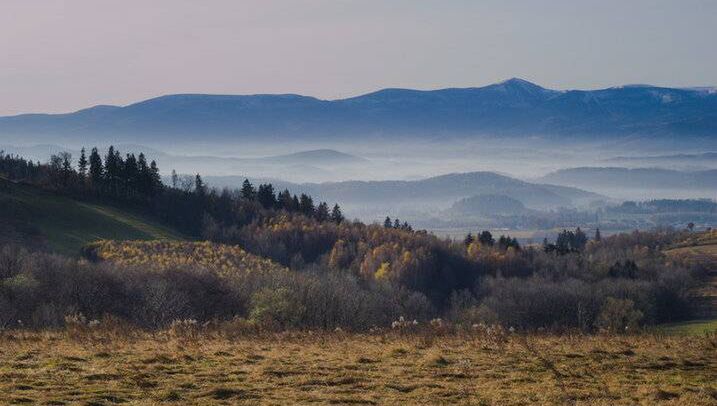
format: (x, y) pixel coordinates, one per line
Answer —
(618, 316)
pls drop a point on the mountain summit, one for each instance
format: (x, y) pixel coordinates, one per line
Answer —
(512, 107)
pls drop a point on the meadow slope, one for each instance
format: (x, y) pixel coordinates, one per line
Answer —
(65, 225)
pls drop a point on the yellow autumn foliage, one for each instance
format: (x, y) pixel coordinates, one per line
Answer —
(224, 259)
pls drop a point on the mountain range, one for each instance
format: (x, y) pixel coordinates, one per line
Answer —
(512, 107)
(603, 178)
(369, 200)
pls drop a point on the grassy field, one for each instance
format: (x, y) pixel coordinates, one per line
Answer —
(66, 225)
(162, 368)
(692, 327)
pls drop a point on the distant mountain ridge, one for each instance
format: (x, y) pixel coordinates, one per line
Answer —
(655, 178)
(441, 190)
(513, 107)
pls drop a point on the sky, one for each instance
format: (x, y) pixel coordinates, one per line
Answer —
(60, 56)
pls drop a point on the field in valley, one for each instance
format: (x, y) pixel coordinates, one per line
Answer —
(54, 368)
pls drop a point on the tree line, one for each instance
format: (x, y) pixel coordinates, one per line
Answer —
(130, 180)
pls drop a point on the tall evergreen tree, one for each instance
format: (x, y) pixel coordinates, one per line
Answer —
(143, 176)
(322, 212)
(155, 179)
(175, 179)
(306, 205)
(285, 200)
(199, 187)
(66, 168)
(247, 190)
(96, 171)
(295, 203)
(82, 165)
(387, 222)
(336, 215)
(130, 176)
(266, 196)
(486, 238)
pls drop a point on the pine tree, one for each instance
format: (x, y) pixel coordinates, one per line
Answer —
(144, 181)
(579, 239)
(598, 237)
(306, 204)
(336, 215)
(266, 196)
(387, 222)
(66, 167)
(175, 179)
(285, 200)
(397, 223)
(486, 238)
(155, 179)
(199, 187)
(295, 203)
(112, 172)
(247, 190)
(82, 165)
(322, 212)
(130, 176)
(96, 171)
(468, 240)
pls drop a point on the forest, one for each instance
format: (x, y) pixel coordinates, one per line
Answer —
(303, 265)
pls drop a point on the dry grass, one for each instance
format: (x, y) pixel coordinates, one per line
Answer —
(52, 369)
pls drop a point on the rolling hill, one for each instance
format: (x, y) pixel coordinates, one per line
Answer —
(656, 178)
(413, 199)
(513, 107)
(63, 225)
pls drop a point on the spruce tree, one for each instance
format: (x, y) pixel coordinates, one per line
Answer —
(247, 190)
(266, 196)
(322, 212)
(306, 204)
(96, 171)
(155, 179)
(336, 215)
(82, 165)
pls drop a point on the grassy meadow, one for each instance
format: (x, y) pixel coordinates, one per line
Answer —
(134, 368)
(65, 225)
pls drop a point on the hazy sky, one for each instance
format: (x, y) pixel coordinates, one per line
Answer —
(58, 56)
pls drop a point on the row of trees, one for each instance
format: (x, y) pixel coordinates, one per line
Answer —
(485, 238)
(187, 204)
(130, 178)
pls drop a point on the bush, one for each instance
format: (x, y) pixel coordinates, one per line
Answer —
(618, 316)
(275, 308)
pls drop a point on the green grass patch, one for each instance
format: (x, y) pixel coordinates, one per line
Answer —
(66, 224)
(692, 327)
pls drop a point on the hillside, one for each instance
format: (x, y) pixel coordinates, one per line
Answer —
(512, 107)
(64, 225)
(441, 190)
(700, 250)
(636, 177)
